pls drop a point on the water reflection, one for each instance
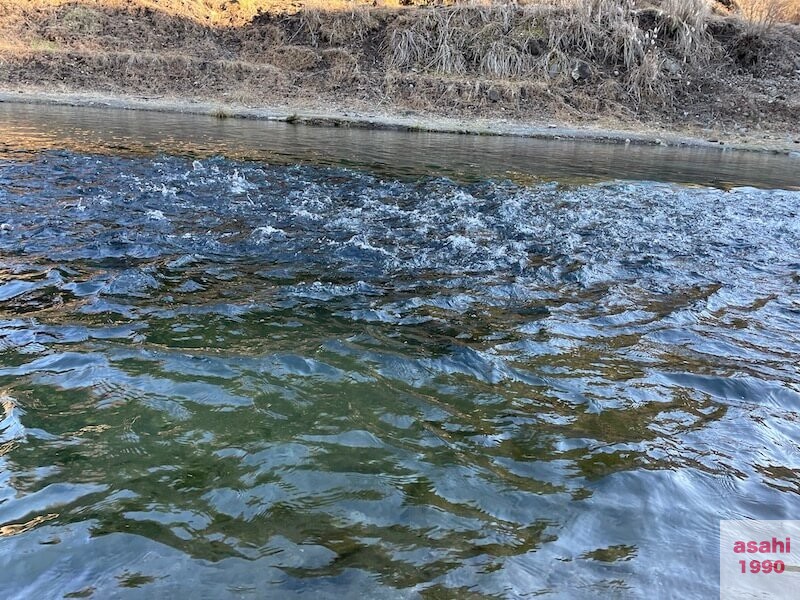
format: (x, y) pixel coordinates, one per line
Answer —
(387, 153)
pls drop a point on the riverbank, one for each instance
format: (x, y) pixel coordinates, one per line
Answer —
(675, 73)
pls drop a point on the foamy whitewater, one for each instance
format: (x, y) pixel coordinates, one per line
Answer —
(234, 379)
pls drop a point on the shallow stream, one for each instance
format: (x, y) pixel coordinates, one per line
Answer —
(288, 365)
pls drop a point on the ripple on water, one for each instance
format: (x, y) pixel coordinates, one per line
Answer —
(241, 379)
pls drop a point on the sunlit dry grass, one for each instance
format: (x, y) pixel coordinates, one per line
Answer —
(204, 12)
(232, 13)
(765, 14)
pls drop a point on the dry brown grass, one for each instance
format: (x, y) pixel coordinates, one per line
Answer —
(560, 57)
(216, 13)
(337, 27)
(763, 15)
(641, 54)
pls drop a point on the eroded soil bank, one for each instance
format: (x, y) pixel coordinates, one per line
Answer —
(669, 71)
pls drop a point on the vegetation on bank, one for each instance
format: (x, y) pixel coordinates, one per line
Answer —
(677, 61)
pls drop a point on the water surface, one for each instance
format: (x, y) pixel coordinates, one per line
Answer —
(405, 155)
(287, 378)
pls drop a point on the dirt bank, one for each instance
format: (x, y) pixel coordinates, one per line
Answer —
(670, 71)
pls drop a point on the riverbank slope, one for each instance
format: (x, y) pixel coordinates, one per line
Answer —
(678, 68)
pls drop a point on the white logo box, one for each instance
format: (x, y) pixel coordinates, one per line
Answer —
(759, 559)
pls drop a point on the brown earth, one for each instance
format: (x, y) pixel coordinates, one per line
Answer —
(680, 65)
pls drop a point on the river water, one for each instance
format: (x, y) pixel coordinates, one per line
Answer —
(255, 360)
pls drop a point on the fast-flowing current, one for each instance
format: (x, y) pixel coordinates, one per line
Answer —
(229, 378)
